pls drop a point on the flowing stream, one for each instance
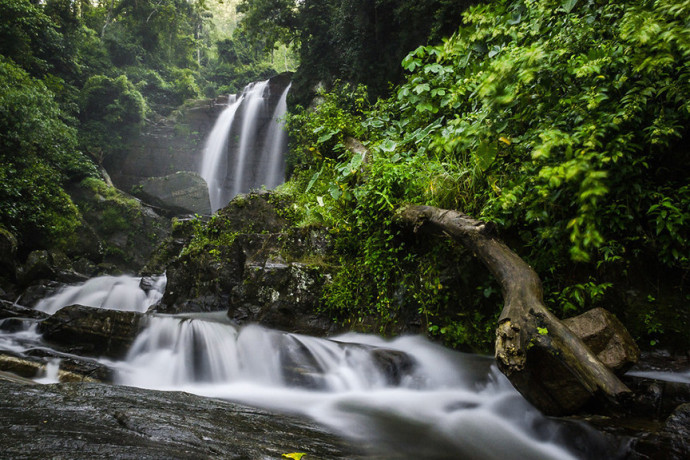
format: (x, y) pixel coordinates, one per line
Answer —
(403, 398)
(247, 145)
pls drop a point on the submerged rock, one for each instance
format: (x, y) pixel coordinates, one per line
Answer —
(97, 421)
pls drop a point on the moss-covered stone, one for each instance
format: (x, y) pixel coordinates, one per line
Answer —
(116, 228)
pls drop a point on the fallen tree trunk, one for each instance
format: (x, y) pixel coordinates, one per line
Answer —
(545, 361)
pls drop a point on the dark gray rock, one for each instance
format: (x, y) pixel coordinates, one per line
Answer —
(38, 265)
(202, 281)
(11, 310)
(670, 442)
(182, 193)
(92, 331)
(282, 296)
(33, 364)
(606, 336)
(8, 254)
(85, 421)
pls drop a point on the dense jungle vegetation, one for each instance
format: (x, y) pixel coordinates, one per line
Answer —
(564, 123)
(81, 78)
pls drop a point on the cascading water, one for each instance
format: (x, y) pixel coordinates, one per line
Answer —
(253, 109)
(408, 397)
(109, 292)
(246, 147)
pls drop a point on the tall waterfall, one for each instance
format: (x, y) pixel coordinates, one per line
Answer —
(246, 147)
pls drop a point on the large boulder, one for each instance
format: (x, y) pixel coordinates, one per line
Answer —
(251, 261)
(671, 442)
(118, 231)
(182, 193)
(86, 420)
(92, 331)
(606, 336)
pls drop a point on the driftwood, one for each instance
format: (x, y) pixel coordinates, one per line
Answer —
(545, 361)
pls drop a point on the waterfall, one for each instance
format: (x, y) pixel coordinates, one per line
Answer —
(214, 152)
(246, 146)
(403, 398)
(277, 142)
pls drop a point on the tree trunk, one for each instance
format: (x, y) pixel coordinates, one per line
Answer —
(548, 364)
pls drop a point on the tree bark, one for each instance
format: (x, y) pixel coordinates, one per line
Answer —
(546, 362)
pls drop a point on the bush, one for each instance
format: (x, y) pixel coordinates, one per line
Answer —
(562, 122)
(38, 155)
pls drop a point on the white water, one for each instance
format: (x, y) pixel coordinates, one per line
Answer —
(276, 144)
(678, 377)
(446, 405)
(253, 108)
(231, 169)
(50, 373)
(109, 292)
(214, 158)
(407, 398)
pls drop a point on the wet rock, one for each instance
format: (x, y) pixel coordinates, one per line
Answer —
(40, 290)
(11, 310)
(33, 364)
(656, 399)
(92, 331)
(606, 336)
(182, 193)
(84, 421)
(202, 281)
(19, 365)
(282, 296)
(671, 442)
(395, 364)
(677, 427)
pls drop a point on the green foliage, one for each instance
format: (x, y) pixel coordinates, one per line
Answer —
(242, 58)
(359, 41)
(112, 110)
(211, 238)
(110, 211)
(37, 157)
(27, 36)
(562, 124)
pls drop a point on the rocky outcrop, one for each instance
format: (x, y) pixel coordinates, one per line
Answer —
(118, 232)
(181, 193)
(84, 421)
(92, 331)
(253, 263)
